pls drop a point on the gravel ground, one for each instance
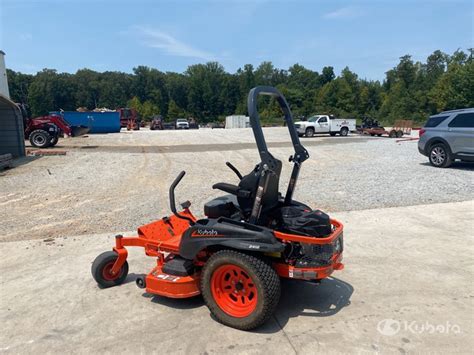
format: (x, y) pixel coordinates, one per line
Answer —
(116, 182)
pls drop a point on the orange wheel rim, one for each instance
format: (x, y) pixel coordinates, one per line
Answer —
(106, 272)
(234, 290)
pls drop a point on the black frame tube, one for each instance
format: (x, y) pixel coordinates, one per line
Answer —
(300, 155)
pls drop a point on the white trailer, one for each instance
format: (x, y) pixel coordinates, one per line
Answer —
(325, 124)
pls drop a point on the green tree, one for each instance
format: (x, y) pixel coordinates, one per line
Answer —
(51, 91)
(327, 75)
(18, 85)
(205, 85)
(411, 90)
(174, 111)
(455, 88)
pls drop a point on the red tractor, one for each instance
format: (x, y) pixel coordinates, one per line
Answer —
(44, 131)
(129, 119)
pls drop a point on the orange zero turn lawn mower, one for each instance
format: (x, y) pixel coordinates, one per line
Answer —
(251, 236)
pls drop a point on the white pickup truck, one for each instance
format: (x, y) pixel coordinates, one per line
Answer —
(182, 123)
(325, 124)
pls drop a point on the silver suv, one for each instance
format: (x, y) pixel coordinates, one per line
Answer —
(447, 136)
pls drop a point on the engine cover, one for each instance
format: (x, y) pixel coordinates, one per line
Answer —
(303, 221)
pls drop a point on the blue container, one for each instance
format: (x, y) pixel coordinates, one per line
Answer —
(99, 122)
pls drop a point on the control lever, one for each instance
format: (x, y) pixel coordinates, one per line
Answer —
(185, 204)
(234, 169)
(172, 199)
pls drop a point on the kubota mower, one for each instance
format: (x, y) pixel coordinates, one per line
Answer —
(250, 238)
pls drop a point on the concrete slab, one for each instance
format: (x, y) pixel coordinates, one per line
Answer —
(407, 287)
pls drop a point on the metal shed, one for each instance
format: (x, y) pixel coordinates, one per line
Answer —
(237, 121)
(12, 139)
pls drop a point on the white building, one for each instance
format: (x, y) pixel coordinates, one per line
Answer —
(237, 121)
(3, 76)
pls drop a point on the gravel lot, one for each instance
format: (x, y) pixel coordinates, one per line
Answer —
(403, 264)
(116, 182)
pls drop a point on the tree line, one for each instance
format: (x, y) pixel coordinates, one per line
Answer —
(410, 90)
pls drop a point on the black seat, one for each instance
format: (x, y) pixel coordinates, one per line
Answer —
(246, 191)
(232, 189)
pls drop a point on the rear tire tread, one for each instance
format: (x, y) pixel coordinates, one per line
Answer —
(260, 270)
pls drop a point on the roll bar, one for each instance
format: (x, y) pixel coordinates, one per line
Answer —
(300, 155)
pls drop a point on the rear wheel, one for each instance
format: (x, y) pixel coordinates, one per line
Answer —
(392, 134)
(309, 132)
(344, 131)
(440, 156)
(40, 138)
(399, 134)
(240, 290)
(101, 270)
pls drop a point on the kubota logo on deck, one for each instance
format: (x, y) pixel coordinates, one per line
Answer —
(206, 233)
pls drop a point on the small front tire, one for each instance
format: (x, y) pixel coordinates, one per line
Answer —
(309, 132)
(102, 266)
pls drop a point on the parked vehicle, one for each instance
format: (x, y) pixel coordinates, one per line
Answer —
(448, 136)
(399, 128)
(44, 131)
(156, 123)
(182, 123)
(129, 119)
(325, 124)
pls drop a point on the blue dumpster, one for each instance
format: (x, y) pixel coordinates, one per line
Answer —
(99, 122)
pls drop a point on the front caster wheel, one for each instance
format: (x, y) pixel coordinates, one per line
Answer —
(240, 290)
(101, 270)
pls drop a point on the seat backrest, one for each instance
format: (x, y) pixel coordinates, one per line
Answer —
(250, 182)
(270, 197)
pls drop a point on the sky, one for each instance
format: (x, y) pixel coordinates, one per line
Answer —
(367, 36)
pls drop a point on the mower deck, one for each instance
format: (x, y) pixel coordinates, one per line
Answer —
(164, 237)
